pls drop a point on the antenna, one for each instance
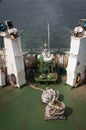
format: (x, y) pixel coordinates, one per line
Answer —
(48, 37)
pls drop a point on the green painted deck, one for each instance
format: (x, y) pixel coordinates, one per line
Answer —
(22, 109)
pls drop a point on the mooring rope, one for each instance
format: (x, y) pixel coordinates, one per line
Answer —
(34, 87)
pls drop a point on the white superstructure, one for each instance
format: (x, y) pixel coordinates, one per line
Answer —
(76, 69)
(13, 55)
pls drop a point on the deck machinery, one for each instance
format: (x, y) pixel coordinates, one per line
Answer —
(46, 64)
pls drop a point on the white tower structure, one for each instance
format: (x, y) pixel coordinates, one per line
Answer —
(76, 69)
(13, 55)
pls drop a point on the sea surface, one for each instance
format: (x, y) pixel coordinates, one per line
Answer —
(33, 16)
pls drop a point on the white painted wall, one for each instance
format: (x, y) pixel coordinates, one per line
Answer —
(77, 54)
(14, 59)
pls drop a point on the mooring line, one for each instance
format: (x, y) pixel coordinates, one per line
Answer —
(34, 87)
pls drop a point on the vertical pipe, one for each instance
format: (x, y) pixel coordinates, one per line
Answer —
(48, 38)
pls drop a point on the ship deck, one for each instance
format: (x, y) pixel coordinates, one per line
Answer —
(22, 109)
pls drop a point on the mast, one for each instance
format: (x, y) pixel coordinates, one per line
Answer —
(48, 38)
